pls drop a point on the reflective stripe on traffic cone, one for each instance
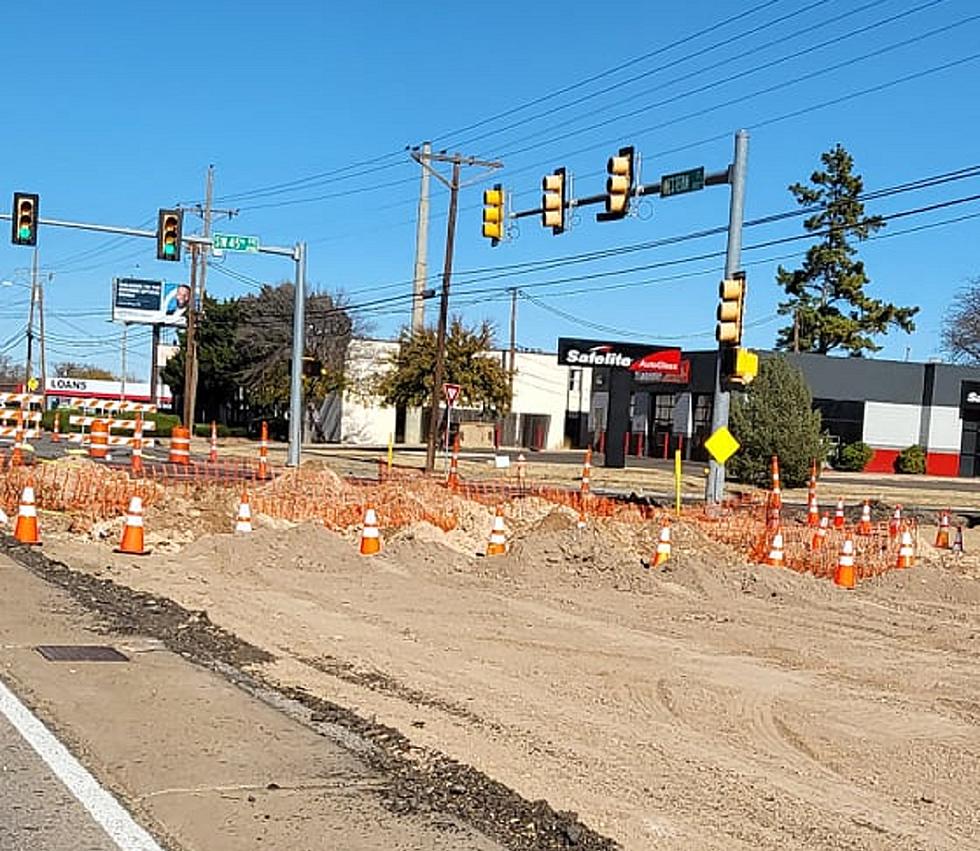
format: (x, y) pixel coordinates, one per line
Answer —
(26, 530)
(839, 515)
(243, 522)
(776, 556)
(370, 536)
(663, 545)
(845, 575)
(906, 553)
(942, 536)
(132, 537)
(895, 524)
(820, 535)
(498, 535)
(864, 526)
(213, 453)
(586, 471)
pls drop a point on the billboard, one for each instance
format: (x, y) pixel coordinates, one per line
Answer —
(149, 302)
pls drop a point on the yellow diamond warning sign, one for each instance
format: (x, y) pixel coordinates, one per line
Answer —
(722, 445)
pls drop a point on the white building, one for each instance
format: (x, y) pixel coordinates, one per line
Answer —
(550, 404)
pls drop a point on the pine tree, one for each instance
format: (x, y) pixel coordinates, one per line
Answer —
(826, 296)
(775, 416)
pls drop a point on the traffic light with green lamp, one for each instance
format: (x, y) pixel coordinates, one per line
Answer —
(554, 200)
(731, 310)
(619, 185)
(24, 218)
(493, 214)
(169, 233)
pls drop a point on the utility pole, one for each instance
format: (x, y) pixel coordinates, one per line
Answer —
(299, 348)
(122, 344)
(190, 346)
(513, 339)
(30, 320)
(40, 313)
(154, 362)
(413, 416)
(438, 376)
(715, 488)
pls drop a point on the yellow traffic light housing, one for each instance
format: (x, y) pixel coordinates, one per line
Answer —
(24, 219)
(739, 366)
(731, 310)
(169, 233)
(493, 214)
(554, 201)
(619, 185)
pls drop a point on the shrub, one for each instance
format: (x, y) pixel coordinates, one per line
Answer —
(163, 423)
(775, 416)
(911, 460)
(854, 457)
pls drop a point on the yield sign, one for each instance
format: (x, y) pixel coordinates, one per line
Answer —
(451, 392)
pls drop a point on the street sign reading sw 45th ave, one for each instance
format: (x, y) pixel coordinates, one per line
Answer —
(232, 242)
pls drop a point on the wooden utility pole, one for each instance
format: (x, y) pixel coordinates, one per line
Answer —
(30, 321)
(439, 372)
(513, 340)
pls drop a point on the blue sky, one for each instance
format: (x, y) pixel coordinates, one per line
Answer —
(116, 109)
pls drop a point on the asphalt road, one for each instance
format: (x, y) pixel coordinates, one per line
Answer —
(36, 810)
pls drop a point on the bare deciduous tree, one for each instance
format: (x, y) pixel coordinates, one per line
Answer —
(960, 335)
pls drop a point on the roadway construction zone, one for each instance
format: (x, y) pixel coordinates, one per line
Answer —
(702, 680)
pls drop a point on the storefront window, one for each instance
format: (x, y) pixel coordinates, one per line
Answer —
(702, 413)
(664, 409)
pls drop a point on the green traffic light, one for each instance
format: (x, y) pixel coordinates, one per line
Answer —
(168, 249)
(25, 232)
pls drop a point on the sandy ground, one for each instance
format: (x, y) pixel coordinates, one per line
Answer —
(712, 705)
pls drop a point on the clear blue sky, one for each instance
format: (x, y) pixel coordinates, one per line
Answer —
(114, 109)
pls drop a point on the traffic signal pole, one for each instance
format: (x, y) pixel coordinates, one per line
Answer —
(715, 486)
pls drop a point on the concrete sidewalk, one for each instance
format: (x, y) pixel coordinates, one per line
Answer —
(198, 762)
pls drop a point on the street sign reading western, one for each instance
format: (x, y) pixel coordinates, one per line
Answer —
(232, 242)
(451, 392)
(683, 181)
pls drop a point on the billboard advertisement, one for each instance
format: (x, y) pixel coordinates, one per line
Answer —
(149, 302)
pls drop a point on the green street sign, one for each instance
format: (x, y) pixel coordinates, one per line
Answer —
(231, 242)
(684, 181)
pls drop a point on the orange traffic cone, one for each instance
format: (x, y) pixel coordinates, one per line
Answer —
(777, 494)
(864, 525)
(132, 537)
(895, 524)
(820, 535)
(776, 556)
(213, 454)
(136, 456)
(586, 471)
(942, 536)
(263, 472)
(845, 575)
(812, 507)
(243, 522)
(582, 523)
(906, 553)
(16, 454)
(56, 431)
(773, 502)
(25, 529)
(498, 535)
(839, 515)
(958, 540)
(663, 545)
(370, 536)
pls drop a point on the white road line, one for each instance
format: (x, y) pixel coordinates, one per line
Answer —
(102, 806)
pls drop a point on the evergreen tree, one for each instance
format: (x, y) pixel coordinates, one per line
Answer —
(775, 416)
(826, 296)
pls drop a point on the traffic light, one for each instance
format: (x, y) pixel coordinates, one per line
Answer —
(313, 367)
(731, 310)
(493, 214)
(738, 365)
(169, 226)
(619, 185)
(554, 201)
(24, 219)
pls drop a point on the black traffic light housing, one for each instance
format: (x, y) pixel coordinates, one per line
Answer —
(24, 219)
(170, 225)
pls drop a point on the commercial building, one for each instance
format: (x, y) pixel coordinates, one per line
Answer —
(651, 400)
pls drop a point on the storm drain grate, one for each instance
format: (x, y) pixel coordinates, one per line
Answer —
(80, 653)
